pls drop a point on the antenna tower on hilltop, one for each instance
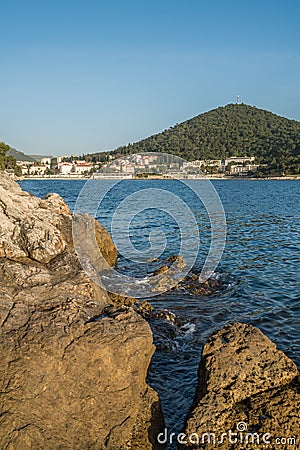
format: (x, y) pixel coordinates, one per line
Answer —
(238, 100)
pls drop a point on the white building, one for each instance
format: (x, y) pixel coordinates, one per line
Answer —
(25, 163)
(197, 163)
(243, 170)
(24, 169)
(46, 162)
(37, 170)
(128, 168)
(60, 158)
(65, 168)
(239, 160)
(212, 163)
(83, 167)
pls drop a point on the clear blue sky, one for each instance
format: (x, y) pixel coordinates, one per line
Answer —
(86, 76)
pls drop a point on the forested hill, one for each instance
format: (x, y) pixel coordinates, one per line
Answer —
(232, 130)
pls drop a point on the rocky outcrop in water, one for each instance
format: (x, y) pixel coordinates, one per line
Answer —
(74, 358)
(247, 390)
(69, 379)
(169, 276)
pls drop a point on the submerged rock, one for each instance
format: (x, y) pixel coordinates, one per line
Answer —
(161, 270)
(171, 276)
(66, 380)
(246, 385)
(193, 285)
(167, 276)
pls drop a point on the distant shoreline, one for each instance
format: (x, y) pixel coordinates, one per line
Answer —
(61, 178)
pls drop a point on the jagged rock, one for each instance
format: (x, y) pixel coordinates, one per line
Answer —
(93, 243)
(178, 259)
(193, 285)
(68, 379)
(81, 389)
(122, 299)
(28, 227)
(145, 309)
(161, 270)
(171, 276)
(245, 386)
(56, 203)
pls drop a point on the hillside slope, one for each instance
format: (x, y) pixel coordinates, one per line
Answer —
(20, 156)
(232, 130)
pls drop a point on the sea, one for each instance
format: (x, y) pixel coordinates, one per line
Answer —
(258, 270)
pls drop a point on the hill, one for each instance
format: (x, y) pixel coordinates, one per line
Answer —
(20, 156)
(232, 130)
(39, 157)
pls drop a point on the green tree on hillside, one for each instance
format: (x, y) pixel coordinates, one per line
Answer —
(8, 162)
(3, 150)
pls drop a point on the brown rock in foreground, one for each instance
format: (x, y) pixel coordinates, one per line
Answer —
(67, 380)
(245, 386)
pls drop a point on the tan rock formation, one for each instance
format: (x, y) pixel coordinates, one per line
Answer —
(68, 380)
(246, 386)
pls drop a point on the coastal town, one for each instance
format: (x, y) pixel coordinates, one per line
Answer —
(137, 166)
(57, 166)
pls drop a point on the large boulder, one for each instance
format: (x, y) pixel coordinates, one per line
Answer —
(72, 375)
(248, 390)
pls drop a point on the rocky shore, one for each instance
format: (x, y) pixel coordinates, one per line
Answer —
(67, 381)
(248, 394)
(74, 358)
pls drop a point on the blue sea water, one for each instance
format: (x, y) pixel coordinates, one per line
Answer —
(259, 268)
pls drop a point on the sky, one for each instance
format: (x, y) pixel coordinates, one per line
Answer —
(86, 76)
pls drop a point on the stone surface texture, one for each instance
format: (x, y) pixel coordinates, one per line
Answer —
(69, 378)
(245, 384)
